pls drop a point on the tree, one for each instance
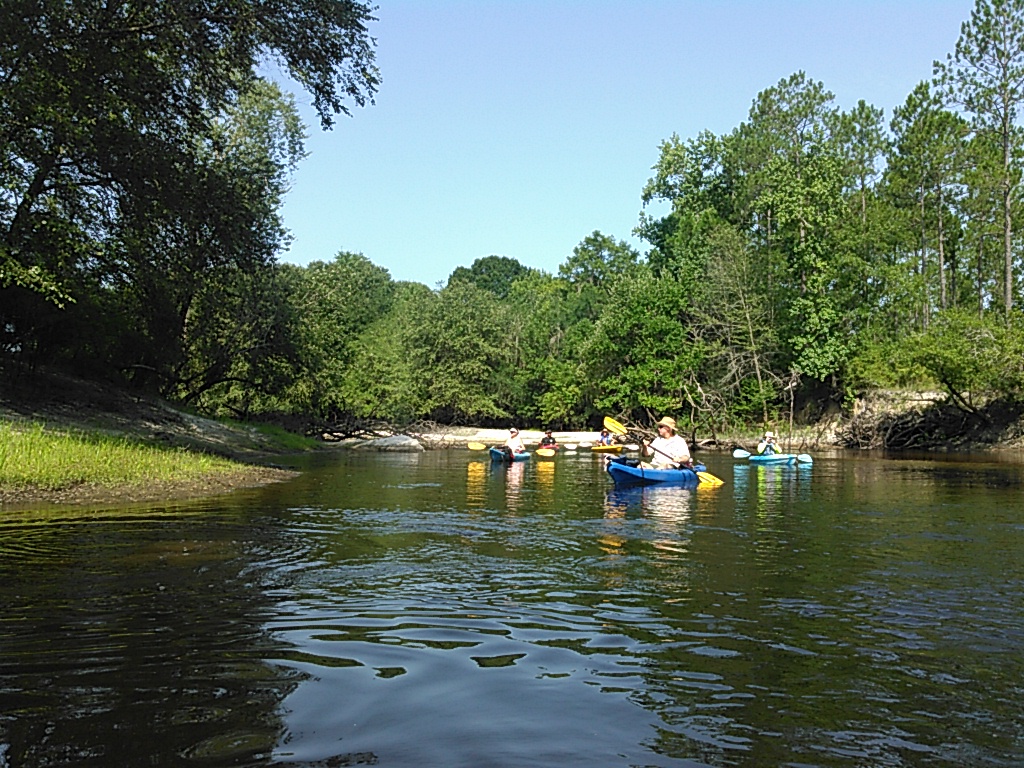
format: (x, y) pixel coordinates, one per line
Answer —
(382, 380)
(794, 181)
(985, 76)
(594, 267)
(924, 176)
(695, 179)
(735, 320)
(462, 352)
(972, 357)
(113, 162)
(492, 273)
(335, 303)
(642, 354)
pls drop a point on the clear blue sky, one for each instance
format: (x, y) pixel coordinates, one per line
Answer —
(518, 128)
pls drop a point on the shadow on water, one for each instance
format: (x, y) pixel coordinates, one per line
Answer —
(438, 609)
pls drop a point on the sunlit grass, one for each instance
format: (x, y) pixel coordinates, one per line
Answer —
(282, 439)
(33, 456)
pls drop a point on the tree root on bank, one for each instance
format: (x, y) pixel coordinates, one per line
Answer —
(939, 425)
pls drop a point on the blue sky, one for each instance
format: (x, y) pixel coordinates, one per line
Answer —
(518, 128)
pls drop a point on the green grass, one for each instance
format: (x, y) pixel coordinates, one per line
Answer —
(33, 456)
(285, 441)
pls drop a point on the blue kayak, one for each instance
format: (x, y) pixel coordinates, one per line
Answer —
(626, 472)
(499, 455)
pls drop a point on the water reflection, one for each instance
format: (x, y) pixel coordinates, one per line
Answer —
(476, 484)
(512, 474)
(545, 479)
(772, 487)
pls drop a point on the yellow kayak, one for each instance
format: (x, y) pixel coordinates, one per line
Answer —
(607, 448)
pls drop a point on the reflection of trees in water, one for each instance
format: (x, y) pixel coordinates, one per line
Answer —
(132, 642)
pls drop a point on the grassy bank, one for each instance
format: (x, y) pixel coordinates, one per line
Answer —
(31, 455)
(69, 466)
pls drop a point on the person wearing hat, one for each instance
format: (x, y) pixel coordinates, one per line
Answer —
(767, 445)
(668, 449)
(514, 444)
(548, 441)
(605, 438)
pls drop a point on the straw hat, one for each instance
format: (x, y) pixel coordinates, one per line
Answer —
(769, 433)
(667, 421)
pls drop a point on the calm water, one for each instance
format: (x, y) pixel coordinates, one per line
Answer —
(434, 611)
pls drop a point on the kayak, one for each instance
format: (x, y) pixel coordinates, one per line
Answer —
(607, 448)
(624, 472)
(773, 458)
(499, 455)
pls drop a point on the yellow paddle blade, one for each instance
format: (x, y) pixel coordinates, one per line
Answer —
(707, 477)
(614, 427)
(476, 446)
(545, 452)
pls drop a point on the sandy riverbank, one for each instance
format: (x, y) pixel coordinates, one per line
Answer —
(531, 437)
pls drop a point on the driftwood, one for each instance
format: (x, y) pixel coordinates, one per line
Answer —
(349, 427)
(428, 433)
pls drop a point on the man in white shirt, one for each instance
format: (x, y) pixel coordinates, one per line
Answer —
(668, 449)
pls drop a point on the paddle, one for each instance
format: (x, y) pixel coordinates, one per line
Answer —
(620, 429)
(739, 453)
(476, 446)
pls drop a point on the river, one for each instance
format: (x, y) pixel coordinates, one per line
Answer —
(435, 610)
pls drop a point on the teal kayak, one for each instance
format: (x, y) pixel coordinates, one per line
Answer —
(773, 458)
(499, 455)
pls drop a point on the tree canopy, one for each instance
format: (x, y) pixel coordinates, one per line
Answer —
(807, 253)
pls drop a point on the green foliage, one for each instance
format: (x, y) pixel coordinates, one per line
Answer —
(382, 380)
(142, 163)
(461, 348)
(888, 364)
(985, 76)
(590, 274)
(335, 302)
(642, 353)
(141, 177)
(496, 274)
(972, 356)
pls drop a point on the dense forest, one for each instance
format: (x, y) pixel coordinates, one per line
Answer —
(808, 255)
